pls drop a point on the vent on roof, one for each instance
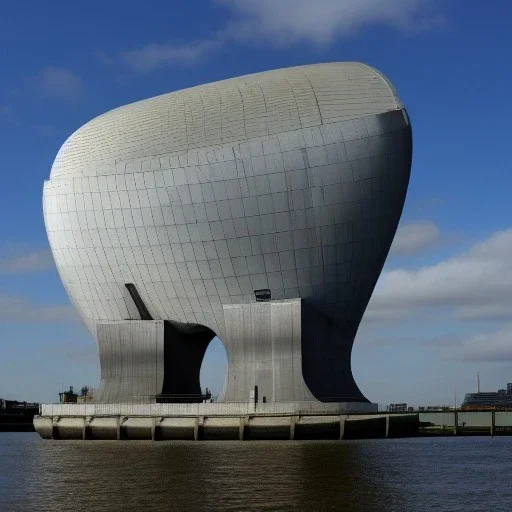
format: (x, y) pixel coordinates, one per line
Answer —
(139, 303)
(262, 295)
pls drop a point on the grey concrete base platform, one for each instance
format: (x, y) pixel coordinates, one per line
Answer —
(227, 421)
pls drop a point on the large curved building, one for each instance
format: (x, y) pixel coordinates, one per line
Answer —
(260, 209)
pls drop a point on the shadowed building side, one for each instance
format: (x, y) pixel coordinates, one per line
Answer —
(305, 352)
(150, 361)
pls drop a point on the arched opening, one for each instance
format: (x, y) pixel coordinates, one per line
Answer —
(184, 349)
(214, 368)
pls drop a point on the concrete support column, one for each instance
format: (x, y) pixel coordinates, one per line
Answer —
(290, 351)
(493, 422)
(264, 347)
(144, 361)
(118, 432)
(55, 428)
(153, 429)
(86, 428)
(132, 360)
(158, 429)
(342, 426)
(387, 426)
(293, 421)
(244, 420)
(198, 428)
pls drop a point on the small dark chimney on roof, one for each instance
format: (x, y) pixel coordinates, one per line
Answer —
(262, 295)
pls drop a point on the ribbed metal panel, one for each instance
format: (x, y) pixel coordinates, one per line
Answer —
(292, 181)
(226, 112)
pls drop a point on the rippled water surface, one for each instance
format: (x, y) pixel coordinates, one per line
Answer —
(467, 474)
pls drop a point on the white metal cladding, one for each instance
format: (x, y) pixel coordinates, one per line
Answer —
(292, 180)
(220, 113)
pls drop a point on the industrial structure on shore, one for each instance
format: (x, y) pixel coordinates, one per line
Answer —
(17, 416)
(501, 399)
(258, 209)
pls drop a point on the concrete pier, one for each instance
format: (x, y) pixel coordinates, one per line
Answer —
(246, 421)
(228, 421)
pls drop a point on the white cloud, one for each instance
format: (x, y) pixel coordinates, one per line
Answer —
(57, 82)
(8, 114)
(321, 21)
(476, 284)
(154, 55)
(79, 349)
(415, 237)
(16, 309)
(18, 262)
(46, 130)
(287, 22)
(104, 58)
(492, 311)
(494, 346)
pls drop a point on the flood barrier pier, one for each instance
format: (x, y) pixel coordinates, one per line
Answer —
(249, 421)
(216, 421)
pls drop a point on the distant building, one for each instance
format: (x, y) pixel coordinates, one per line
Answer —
(501, 399)
(434, 408)
(68, 397)
(14, 405)
(17, 416)
(397, 407)
(86, 395)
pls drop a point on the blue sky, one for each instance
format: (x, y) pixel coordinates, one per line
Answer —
(442, 308)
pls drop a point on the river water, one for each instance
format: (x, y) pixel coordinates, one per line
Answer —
(421, 474)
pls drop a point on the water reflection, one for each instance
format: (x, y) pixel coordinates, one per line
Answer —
(351, 476)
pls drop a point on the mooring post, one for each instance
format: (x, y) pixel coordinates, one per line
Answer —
(387, 426)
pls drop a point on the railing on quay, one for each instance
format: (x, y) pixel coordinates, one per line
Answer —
(203, 409)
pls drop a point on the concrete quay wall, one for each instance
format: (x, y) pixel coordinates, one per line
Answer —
(251, 427)
(235, 421)
(464, 422)
(205, 409)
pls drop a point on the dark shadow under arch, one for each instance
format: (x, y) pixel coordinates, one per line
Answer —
(184, 349)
